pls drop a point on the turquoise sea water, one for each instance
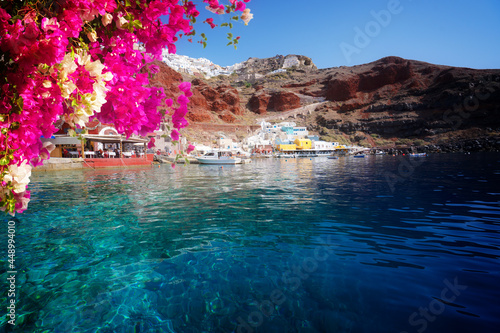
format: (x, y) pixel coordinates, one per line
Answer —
(380, 244)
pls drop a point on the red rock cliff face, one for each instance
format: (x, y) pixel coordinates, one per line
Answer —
(342, 89)
(219, 100)
(205, 99)
(262, 102)
(258, 102)
(387, 71)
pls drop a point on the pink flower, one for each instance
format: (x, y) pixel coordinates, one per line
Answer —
(182, 99)
(151, 143)
(185, 86)
(174, 135)
(240, 6)
(154, 69)
(190, 148)
(51, 27)
(191, 9)
(211, 22)
(4, 16)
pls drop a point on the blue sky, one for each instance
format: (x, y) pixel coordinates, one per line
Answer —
(346, 33)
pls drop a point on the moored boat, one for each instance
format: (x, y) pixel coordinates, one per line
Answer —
(218, 157)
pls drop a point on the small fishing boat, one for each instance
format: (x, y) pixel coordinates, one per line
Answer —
(218, 157)
(359, 156)
(418, 154)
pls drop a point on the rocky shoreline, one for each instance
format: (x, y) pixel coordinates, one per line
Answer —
(483, 144)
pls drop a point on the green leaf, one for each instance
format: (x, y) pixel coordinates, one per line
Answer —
(229, 43)
(229, 35)
(230, 25)
(127, 3)
(15, 125)
(137, 24)
(20, 102)
(4, 160)
(203, 35)
(224, 24)
(204, 44)
(236, 18)
(12, 206)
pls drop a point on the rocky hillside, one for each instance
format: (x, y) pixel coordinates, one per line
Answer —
(386, 103)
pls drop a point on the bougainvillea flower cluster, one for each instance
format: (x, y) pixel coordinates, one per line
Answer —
(80, 60)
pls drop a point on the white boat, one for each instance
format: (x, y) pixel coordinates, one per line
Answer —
(218, 157)
(305, 154)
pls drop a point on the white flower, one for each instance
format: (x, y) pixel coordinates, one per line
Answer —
(19, 176)
(68, 65)
(246, 16)
(121, 22)
(89, 103)
(45, 154)
(106, 19)
(92, 36)
(67, 88)
(108, 76)
(94, 68)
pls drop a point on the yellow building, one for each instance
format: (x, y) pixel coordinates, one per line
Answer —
(283, 147)
(303, 143)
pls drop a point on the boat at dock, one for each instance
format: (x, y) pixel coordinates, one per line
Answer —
(218, 157)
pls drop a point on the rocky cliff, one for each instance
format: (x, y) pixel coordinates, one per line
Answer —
(392, 101)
